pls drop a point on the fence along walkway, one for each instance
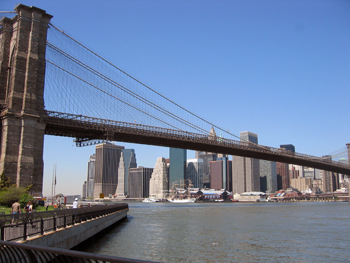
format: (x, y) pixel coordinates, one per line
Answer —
(15, 252)
(39, 223)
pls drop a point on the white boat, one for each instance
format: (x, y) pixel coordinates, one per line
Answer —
(150, 200)
(250, 197)
(180, 193)
(182, 201)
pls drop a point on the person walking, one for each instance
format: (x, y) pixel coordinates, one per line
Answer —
(29, 209)
(16, 209)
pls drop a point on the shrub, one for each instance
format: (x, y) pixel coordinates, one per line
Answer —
(11, 195)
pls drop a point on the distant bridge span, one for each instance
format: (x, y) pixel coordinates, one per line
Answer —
(85, 128)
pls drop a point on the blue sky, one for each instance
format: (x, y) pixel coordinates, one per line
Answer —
(280, 69)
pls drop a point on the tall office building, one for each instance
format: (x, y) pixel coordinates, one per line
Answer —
(220, 174)
(159, 182)
(245, 171)
(328, 178)
(283, 175)
(90, 176)
(207, 157)
(106, 169)
(83, 195)
(268, 176)
(194, 171)
(138, 182)
(127, 161)
(177, 167)
(283, 180)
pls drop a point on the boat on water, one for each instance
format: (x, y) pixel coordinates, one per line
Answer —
(180, 193)
(251, 197)
(182, 201)
(150, 200)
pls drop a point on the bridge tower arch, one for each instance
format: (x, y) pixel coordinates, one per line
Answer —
(22, 76)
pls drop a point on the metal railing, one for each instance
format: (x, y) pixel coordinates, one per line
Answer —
(11, 252)
(28, 225)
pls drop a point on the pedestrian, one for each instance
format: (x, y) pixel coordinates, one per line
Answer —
(16, 209)
(75, 203)
(47, 206)
(29, 207)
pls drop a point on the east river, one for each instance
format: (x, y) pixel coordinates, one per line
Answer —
(230, 232)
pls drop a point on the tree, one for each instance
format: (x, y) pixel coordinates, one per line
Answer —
(5, 182)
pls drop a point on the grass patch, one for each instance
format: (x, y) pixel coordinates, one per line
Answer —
(7, 210)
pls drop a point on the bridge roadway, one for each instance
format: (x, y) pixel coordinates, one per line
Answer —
(85, 128)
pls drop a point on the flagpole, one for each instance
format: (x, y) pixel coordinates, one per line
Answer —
(53, 186)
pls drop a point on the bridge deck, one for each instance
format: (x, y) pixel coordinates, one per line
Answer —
(89, 128)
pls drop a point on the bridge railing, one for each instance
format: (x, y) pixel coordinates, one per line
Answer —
(16, 252)
(134, 128)
(28, 225)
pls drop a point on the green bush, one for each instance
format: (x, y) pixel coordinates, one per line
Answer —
(25, 198)
(11, 195)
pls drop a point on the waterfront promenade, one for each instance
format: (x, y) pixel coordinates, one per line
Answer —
(61, 228)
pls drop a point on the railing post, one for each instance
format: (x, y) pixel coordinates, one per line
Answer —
(64, 221)
(41, 225)
(2, 234)
(25, 227)
(54, 221)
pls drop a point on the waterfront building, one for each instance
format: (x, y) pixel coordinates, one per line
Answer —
(106, 169)
(245, 171)
(177, 165)
(301, 183)
(220, 174)
(90, 176)
(268, 176)
(159, 182)
(127, 161)
(139, 182)
(317, 186)
(194, 171)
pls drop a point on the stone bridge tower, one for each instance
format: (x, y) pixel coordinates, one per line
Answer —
(22, 75)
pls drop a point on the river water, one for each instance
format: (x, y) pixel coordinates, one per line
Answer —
(230, 232)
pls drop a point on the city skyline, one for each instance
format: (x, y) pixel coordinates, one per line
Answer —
(277, 69)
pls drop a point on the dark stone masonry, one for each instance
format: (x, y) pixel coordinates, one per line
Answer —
(22, 76)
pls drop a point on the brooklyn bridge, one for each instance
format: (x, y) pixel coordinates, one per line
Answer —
(52, 84)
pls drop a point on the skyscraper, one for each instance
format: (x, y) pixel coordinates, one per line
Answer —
(268, 176)
(194, 171)
(245, 171)
(127, 161)
(328, 178)
(177, 169)
(283, 174)
(221, 174)
(159, 182)
(106, 169)
(138, 185)
(90, 176)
